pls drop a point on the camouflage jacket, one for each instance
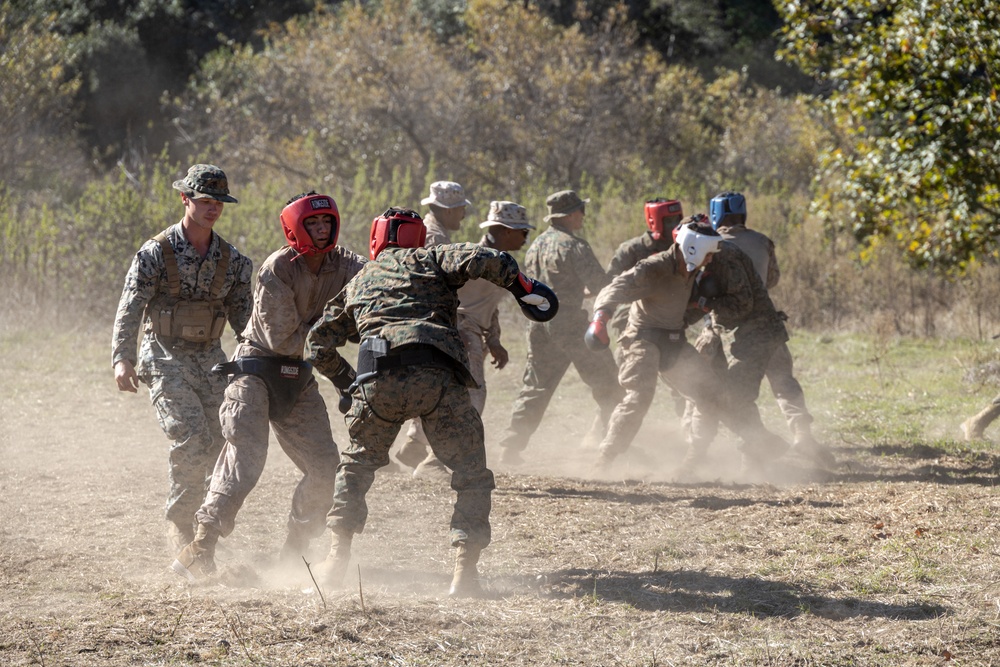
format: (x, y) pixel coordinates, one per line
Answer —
(147, 279)
(744, 305)
(759, 247)
(406, 295)
(628, 254)
(288, 298)
(633, 251)
(657, 289)
(565, 263)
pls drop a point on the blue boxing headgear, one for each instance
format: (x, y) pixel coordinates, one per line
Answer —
(724, 209)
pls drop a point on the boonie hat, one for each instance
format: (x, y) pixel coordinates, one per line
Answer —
(563, 203)
(507, 214)
(206, 181)
(446, 194)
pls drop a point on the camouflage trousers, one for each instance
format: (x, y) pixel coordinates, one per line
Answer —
(415, 449)
(304, 435)
(780, 375)
(454, 430)
(187, 407)
(643, 362)
(549, 357)
(740, 372)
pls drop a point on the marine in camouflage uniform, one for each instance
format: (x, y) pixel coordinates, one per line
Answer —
(628, 254)
(404, 305)
(728, 211)
(182, 388)
(566, 262)
(743, 314)
(447, 205)
(653, 345)
(293, 286)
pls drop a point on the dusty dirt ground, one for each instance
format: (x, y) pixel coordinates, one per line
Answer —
(891, 560)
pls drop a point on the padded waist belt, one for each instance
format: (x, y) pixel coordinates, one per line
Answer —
(670, 342)
(284, 377)
(411, 355)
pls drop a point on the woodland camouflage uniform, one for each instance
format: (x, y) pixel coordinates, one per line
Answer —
(288, 298)
(409, 298)
(751, 330)
(182, 388)
(415, 448)
(779, 371)
(567, 264)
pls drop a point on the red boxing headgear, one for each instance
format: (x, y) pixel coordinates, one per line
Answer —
(397, 227)
(293, 218)
(663, 215)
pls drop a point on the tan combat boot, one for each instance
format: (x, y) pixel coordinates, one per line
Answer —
(294, 548)
(197, 559)
(807, 445)
(331, 572)
(431, 468)
(974, 427)
(695, 461)
(465, 583)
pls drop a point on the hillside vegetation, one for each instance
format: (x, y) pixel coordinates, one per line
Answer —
(373, 101)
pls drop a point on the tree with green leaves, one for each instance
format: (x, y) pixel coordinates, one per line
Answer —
(911, 86)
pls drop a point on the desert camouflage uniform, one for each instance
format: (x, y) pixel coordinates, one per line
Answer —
(744, 315)
(409, 297)
(479, 325)
(436, 233)
(182, 388)
(288, 298)
(780, 374)
(567, 264)
(653, 345)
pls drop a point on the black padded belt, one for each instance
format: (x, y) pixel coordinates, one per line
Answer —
(374, 357)
(284, 377)
(670, 342)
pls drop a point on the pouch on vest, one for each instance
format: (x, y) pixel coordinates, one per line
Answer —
(194, 321)
(285, 378)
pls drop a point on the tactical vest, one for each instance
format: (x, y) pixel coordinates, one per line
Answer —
(194, 321)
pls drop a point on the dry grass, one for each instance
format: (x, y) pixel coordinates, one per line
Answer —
(889, 561)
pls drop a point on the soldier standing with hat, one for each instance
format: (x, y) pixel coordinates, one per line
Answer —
(184, 284)
(507, 229)
(566, 263)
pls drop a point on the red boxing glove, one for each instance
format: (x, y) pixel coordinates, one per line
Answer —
(596, 337)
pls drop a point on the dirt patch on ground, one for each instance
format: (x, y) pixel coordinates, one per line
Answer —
(888, 561)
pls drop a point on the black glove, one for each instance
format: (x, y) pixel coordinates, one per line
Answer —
(537, 300)
(344, 404)
(707, 286)
(344, 377)
(343, 381)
